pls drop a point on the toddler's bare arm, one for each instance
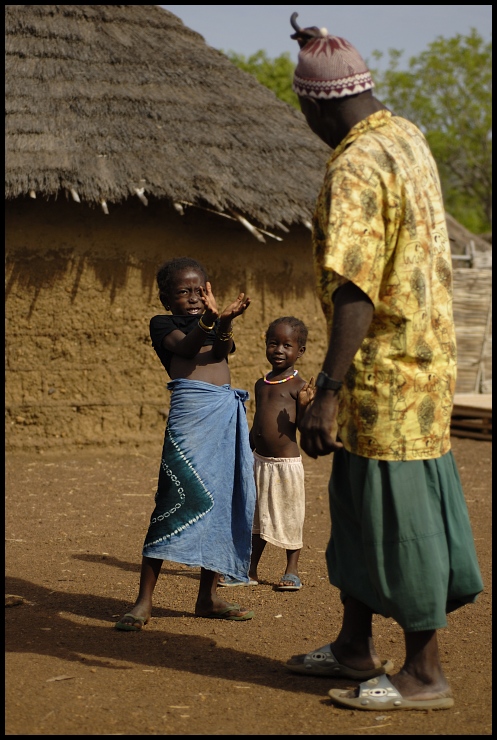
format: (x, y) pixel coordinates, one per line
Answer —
(304, 398)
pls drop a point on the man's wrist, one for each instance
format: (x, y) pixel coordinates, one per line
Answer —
(327, 383)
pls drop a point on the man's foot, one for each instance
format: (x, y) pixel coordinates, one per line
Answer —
(384, 693)
(414, 689)
(360, 659)
(325, 661)
(420, 683)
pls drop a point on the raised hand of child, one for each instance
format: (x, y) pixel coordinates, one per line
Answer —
(307, 393)
(304, 397)
(210, 305)
(236, 308)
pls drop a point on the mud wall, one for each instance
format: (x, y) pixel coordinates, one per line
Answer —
(80, 290)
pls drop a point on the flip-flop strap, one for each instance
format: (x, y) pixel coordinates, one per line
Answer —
(327, 659)
(290, 577)
(133, 616)
(230, 608)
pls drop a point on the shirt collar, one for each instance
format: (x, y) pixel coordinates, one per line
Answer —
(375, 120)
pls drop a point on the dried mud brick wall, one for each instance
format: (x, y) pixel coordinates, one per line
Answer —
(80, 290)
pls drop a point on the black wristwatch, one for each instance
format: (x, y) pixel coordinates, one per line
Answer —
(326, 383)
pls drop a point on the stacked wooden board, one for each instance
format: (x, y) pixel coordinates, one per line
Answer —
(472, 416)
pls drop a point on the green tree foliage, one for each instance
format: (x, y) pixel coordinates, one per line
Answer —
(276, 74)
(447, 92)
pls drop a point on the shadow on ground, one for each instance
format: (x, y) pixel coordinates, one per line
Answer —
(55, 623)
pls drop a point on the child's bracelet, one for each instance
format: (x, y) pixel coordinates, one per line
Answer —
(224, 336)
(204, 327)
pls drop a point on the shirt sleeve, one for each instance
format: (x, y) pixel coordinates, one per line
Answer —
(160, 327)
(355, 225)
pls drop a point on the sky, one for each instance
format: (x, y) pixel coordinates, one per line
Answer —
(248, 28)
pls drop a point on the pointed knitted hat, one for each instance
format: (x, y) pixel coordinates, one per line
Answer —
(328, 66)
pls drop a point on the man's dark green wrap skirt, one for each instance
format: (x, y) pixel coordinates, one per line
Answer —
(401, 539)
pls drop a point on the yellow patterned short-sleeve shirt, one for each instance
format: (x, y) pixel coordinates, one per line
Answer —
(380, 223)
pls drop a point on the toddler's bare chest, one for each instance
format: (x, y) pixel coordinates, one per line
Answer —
(276, 398)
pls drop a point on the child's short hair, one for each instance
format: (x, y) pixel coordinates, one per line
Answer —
(165, 273)
(298, 326)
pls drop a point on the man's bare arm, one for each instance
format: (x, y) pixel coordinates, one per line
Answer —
(352, 316)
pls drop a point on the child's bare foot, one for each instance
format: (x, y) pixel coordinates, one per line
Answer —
(134, 620)
(216, 607)
(227, 581)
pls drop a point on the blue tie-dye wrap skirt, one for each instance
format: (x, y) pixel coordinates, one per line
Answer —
(205, 500)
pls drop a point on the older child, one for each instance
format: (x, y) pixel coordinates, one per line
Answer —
(278, 469)
(206, 494)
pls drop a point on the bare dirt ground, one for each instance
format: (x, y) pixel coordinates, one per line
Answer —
(74, 530)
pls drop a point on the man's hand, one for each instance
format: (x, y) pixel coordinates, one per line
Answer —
(318, 428)
(352, 316)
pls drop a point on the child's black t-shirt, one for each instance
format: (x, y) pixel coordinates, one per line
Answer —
(161, 326)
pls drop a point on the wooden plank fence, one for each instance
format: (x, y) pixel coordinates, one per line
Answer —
(472, 306)
(472, 416)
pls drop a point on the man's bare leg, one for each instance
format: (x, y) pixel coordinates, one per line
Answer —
(354, 645)
(421, 676)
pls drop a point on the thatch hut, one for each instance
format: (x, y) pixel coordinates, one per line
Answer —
(129, 141)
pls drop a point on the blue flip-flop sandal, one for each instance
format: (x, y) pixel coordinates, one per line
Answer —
(230, 582)
(294, 583)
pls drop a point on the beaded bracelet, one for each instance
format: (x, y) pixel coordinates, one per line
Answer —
(204, 327)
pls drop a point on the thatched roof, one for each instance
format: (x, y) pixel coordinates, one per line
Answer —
(103, 99)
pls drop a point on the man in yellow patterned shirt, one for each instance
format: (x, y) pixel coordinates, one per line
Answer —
(401, 542)
(377, 228)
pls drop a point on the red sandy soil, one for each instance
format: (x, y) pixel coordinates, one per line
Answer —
(74, 529)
